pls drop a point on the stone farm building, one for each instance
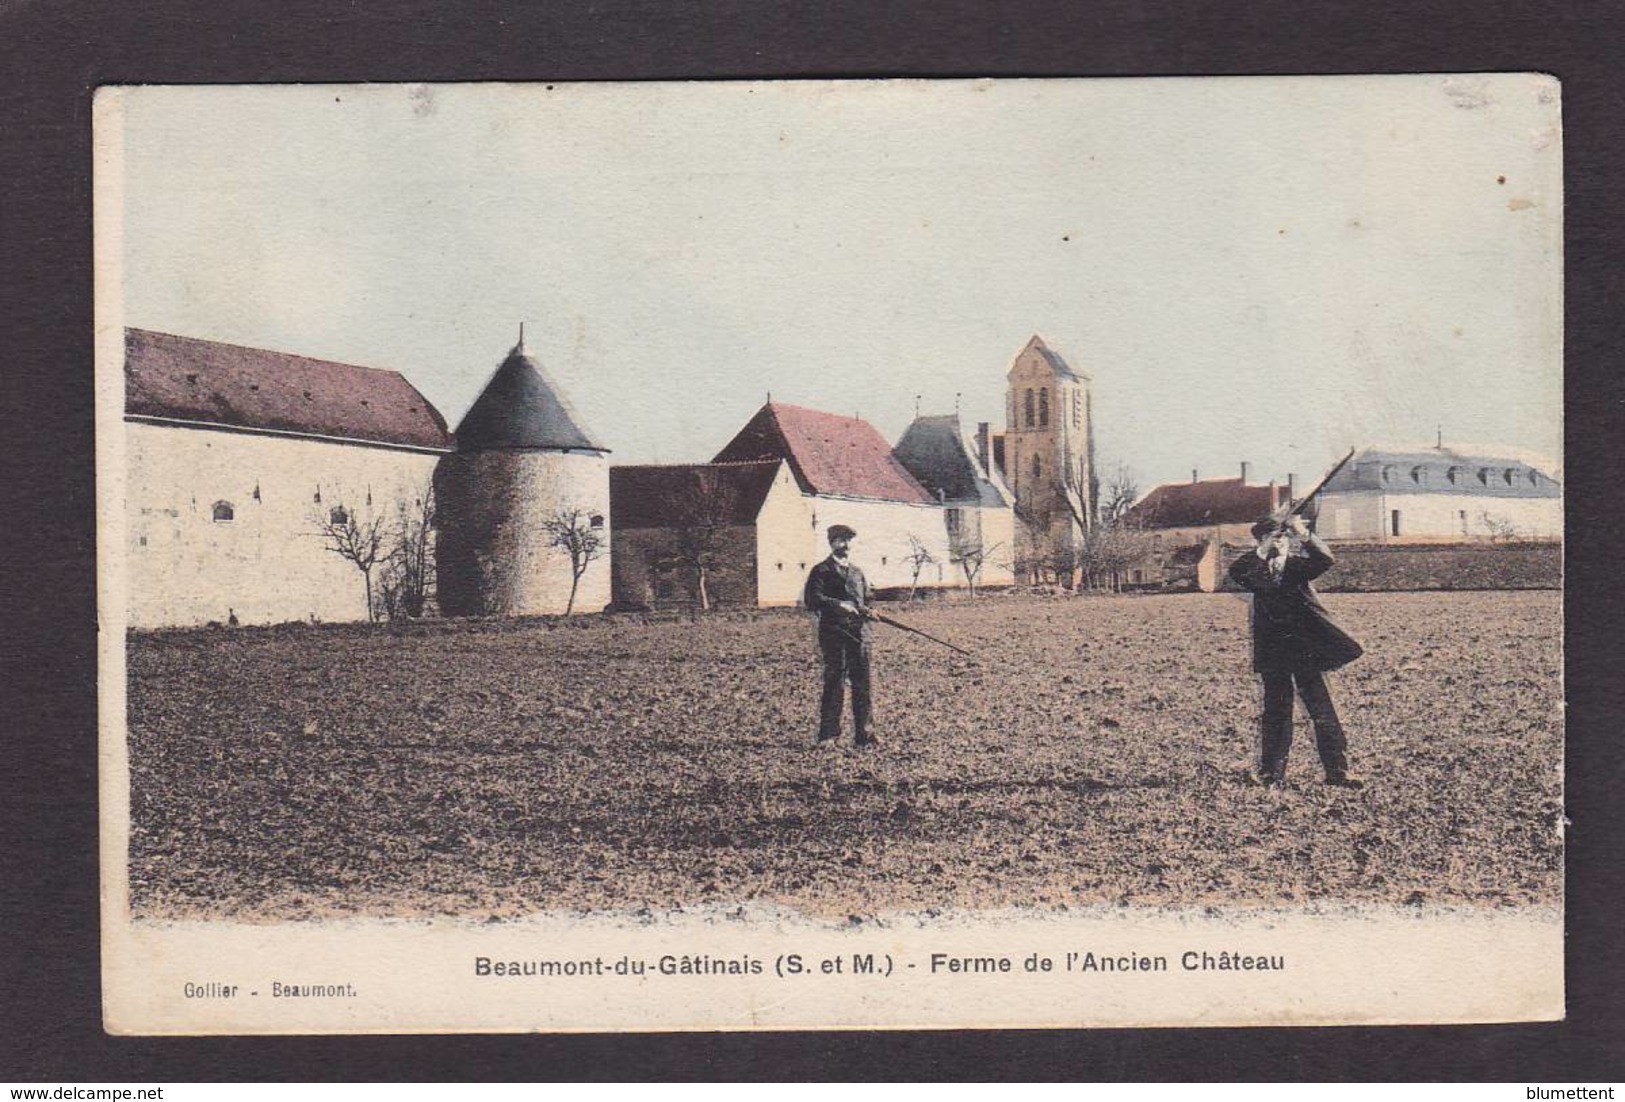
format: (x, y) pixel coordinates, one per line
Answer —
(1439, 495)
(234, 456)
(1184, 526)
(237, 458)
(750, 524)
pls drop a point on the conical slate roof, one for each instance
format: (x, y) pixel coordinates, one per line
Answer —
(521, 407)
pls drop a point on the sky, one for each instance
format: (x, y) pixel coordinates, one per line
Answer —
(1267, 270)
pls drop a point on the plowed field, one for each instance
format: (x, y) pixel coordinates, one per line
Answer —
(1099, 752)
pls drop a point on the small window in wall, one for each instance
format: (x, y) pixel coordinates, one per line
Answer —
(1461, 515)
(1393, 519)
(781, 566)
(224, 512)
(1038, 467)
(1043, 408)
(1027, 409)
(338, 515)
(883, 560)
(597, 520)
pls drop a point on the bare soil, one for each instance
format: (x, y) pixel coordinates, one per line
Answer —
(1099, 752)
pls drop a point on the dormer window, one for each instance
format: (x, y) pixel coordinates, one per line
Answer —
(1388, 473)
(1454, 475)
(339, 515)
(1506, 475)
(1418, 475)
(223, 512)
(1484, 476)
(1534, 479)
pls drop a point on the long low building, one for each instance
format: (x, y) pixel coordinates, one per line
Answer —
(236, 459)
(1439, 495)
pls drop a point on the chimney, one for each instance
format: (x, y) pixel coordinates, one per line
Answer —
(1291, 485)
(1243, 472)
(982, 455)
(1193, 474)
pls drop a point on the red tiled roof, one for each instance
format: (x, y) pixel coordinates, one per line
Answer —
(830, 454)
(1197, 504)
(187, 379)
(688, 494)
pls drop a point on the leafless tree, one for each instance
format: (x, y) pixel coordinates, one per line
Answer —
(357, 540)
(408, 578)
(704, 510)
(1035, 519)
(970, 557)
(919, 557)
(1500, 528)
(571, 530)
(1121, 491)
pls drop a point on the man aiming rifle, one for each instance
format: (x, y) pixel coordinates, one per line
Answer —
(1295, 642)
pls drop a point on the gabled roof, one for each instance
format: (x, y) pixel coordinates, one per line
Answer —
(1052, 358)
(1482, 472)
(521, 407)
(934, 450)
(689, 494)
(1201, 504)
(187, 379)
(829, 454)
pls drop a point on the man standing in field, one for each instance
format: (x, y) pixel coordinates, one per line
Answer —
(1294, 643)
(838, 592)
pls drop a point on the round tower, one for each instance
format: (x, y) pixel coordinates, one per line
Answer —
(525, 475)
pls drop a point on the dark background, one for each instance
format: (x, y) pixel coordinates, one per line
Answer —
(52, 56)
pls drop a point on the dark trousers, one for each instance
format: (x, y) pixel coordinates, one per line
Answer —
(846, 658)
(1277, 721)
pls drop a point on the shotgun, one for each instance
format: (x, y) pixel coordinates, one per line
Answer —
(884, 619)
(1298, 505)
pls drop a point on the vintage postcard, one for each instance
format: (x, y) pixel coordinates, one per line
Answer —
(846, 554)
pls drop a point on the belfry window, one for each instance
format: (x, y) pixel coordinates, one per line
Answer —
(1027, 409)
(223, 512)
(1043, 408)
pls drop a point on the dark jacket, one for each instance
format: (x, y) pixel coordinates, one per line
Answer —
(828, 584)
(1291, 630)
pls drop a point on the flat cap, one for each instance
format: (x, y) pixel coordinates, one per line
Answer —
(841, 532)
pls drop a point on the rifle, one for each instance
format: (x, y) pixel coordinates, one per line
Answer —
(1296, 506)
(884, 619)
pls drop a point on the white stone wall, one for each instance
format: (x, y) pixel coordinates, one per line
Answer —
(791, 537)
(494, 552)
(267, 563)
(1435, 517)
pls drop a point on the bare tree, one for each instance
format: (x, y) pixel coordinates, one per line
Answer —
(1121, 491)
(971, 556)
(571, 530)
(919, 557)
(1500, 528)
(357, 541)
(407, 582)
(704, 510)
(1035, 519)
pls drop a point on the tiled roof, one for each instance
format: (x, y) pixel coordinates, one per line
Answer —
(685, 495)
(829, 454)
(521, 407)
(934, 450)
(1442, 470)
(1199, 504)
(186, 379)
